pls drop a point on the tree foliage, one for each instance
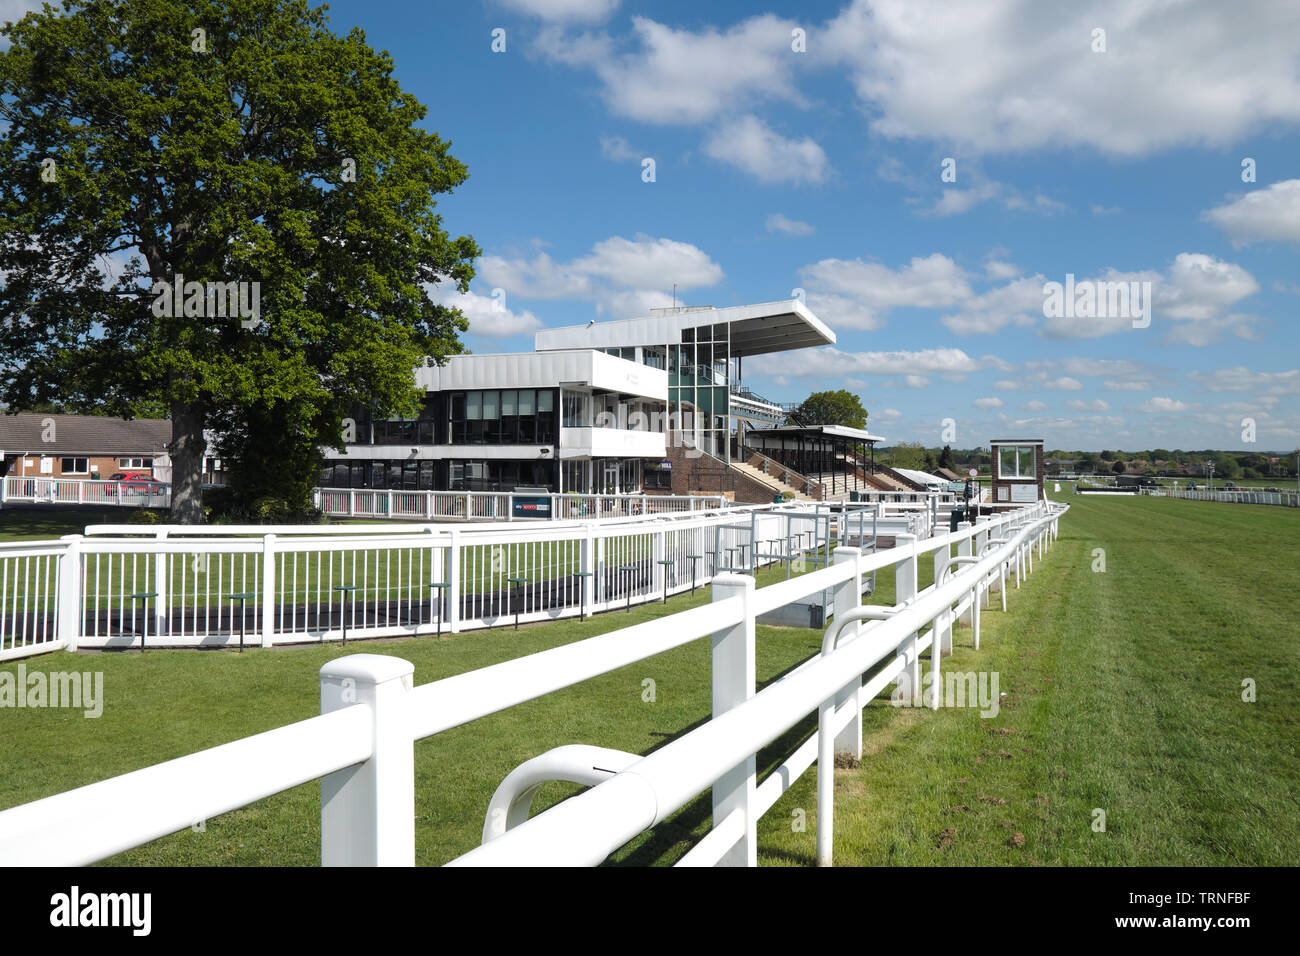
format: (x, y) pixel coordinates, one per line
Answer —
(230, 141)
(839, 407)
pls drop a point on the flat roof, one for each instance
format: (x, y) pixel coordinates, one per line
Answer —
(1015, 441)
(755, 329)
(576, 368)
(829, 431)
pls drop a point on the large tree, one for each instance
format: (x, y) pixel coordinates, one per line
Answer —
(830, 408)
(234, 141)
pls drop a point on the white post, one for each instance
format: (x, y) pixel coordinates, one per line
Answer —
(268, 589)
(658, 571)
(367, 811)
(964, 550)
(848, 595)
(69, 601)
(160, 615)
(587, 563)
(453, 582)
(905, 581)
(942, 623)
(734, 677)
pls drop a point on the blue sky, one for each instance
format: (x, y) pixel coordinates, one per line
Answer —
(820, 170)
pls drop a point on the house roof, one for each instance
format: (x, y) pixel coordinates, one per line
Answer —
(25, 433)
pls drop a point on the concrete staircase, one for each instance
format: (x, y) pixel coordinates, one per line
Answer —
(777, 486)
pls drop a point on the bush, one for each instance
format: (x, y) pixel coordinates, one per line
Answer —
(269, 509)
(143, 516)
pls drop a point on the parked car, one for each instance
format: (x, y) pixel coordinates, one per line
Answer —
(138, 483)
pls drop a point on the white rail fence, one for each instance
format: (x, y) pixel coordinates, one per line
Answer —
(128, 586)
(1287, 499)
(502, 505)
(361, 746)
(77, 491)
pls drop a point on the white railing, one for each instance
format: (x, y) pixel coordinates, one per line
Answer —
(77, 491)
(361, 746)
(129, 586)
(1287, 499)
(501, 505)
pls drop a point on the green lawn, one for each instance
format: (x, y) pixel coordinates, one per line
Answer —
(1124, 694)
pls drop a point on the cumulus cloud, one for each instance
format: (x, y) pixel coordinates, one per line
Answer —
(1241, 378)
(1013, 75)
(859, 294)
(624, 277)
(618, 149)
(753, 147)
(988, 403)
(1261, 216)
(827, 364)
(791, 227)
(1163, 405)
(488, 316)
(679, 76)
(1080, 405)
(1018, 303)
(574, 11)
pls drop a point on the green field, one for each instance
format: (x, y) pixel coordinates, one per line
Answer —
(1124, 694)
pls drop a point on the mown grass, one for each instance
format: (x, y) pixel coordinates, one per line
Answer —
(1124, 694)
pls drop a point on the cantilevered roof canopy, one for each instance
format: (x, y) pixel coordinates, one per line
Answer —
(755, 329)
(817, 431)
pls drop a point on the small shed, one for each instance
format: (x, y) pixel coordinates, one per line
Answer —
(1017, 470)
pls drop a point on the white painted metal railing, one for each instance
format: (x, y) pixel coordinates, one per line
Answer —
(501, 506)
(361, 745)
(77, 491)
(1246, 496)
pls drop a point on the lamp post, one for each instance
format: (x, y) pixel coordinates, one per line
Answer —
(1210, 466)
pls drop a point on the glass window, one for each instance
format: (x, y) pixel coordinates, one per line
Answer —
(491, 402)
(474, 406)
(509, 400)
(526, 399)
(546, 400)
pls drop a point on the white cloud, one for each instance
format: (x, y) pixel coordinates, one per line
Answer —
(1096, 405)
(831, 363)
(618, 149)
(624, 277)
(997, 269)
(1018, 303)
(1241, 379)
(488, 316)
(677, 76)
(791, 227)
(586, 11)
(861, 293)
(1099, 210)
(1035, 406)
(1012, 75)
(11, 11)
(1263, 215)
(751, 146)
(988, 403)
(1161, 405)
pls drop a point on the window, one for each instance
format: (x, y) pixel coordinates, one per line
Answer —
(575, 410)
(135, 463)
(1016, 461)
(74, 466)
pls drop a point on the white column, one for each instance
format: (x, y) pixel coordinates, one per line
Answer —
(964, 548)
(367, 811)
(160, 615)
(453, 582)
(734, 677)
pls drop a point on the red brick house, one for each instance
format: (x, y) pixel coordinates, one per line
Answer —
(39, 445)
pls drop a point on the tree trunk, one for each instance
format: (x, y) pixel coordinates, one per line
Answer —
(187, 450)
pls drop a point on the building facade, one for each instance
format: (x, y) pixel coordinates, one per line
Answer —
(593, 409)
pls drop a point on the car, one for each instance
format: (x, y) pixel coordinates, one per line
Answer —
(138, 483)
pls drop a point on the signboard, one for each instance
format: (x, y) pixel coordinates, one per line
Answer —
(1024, 494)
(974, 473)
(531, 506)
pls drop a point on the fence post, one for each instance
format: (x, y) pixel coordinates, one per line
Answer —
(587, 563)
(905, 588)
(268, 588)
(69, 600)
(453, 582)
(367, 811)
(734, 676)
(160, 614)
(846, 596)
(658, 541)
(964, 550)
(942, 623)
